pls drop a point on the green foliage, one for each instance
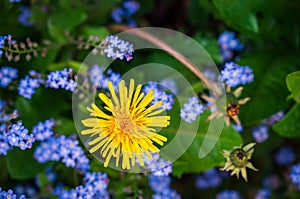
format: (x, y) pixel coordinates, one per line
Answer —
(268, 91)
(293, 84)
(64, 20)
(289, 126)
(21, 164)
(45, 103)
(190, 162)
(238, 14)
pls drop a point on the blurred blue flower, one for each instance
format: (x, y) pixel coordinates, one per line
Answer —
(167, 194)
(274, 118)
(131, 6)
(7, 75)
(260, 133)
(117, 15)
(5, 117)
(228, 44)
(209, 179)
(285, 156)
(25, 16)
(271, 182)
(295, 175)
(28, 191)
(170, 84)
(238, 128)
(159, 183)
(100, 79)
(124, 14)
(191, 109)
(263, 194)
(228, 194)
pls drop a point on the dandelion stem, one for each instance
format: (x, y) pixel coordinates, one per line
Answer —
(214, 88)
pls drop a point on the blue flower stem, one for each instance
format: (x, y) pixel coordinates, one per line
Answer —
(75, 178)
(135, 186)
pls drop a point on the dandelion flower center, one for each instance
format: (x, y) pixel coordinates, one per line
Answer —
(124, 122)
(127, 132)
(238, 157)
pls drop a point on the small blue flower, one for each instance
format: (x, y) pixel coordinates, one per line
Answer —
(263, 194)
(61, 79)
(10, 194)
(191, 109)
(159, 95)
(18, 136)
(295, 175)
(100, 79)
(228, 194)
(285, 156)
(28, 86)
(3, 39)
(118, 48)
(94, 186)
(43, 130)
(14, 1)
(158, 166)
(260, 133)
(7, 75)
(4, 142)
(234, 75)
(25, 16)
(62, 148)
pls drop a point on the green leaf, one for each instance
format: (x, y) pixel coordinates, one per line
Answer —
(95, 31)
(190, 162)
(64, 126)
(268, 90)
(44, 104)
(21, 164)
(289, 126)
(293, 84)
(71, 64)
(238, 14)
(65, 20)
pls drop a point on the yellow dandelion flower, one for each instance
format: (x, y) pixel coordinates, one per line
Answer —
(237, 160)
(127, 131)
